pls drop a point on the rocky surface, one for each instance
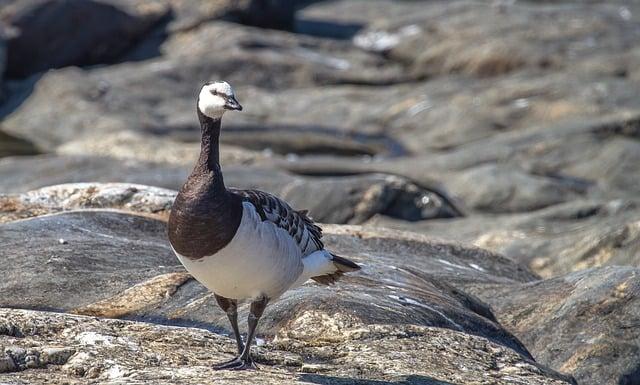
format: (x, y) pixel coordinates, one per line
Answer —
(139, 278)
(59, 348)
(590, 318)
(49, 268)
(348, 199)
(408, 279)
(40, 31)
(554, 241)
(507, 126)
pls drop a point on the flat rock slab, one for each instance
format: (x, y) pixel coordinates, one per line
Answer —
(57, 348)
(64, 261)
(584, 323)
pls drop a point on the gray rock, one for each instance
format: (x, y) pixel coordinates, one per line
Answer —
(157, 95)
(25, 173)
(57, 355)
(581, 158)
(140, 199)
(348, 199)
(188, 14)
(7, 364)
(41, 31)
(584, 323)
(117, 352)
(129, 145)
(3, 65)
(10, 145)
(442, 37)
(394, 287)
(553, 241)
(492, 188)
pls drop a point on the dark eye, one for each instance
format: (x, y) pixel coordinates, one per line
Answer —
(214, 92)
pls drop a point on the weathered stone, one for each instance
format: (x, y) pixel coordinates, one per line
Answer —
(7, 364)
(349, 199)
(10, 145)
(392, 288)
(443, 37)
(120, 95)
(128, 145)
(26, 173)
(117, 352)
(584, 323)
(561, 162)
(57, 355)
(136, 198)
(553, 241)
(41, 31)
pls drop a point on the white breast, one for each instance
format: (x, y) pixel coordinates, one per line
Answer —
(261, 259)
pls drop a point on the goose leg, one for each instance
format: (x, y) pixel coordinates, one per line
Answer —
(244, 361)
(230, 306)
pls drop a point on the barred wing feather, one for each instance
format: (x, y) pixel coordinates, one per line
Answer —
(297, 223)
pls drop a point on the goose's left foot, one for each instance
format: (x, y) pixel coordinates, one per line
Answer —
(244, 361)
(237, 364)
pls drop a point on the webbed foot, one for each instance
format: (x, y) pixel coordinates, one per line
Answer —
(236, 364)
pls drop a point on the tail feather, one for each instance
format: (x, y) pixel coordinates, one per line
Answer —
(342, 265)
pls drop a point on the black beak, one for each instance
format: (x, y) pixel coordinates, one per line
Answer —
(232, 104)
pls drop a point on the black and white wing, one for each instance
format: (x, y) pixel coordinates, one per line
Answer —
(273, 209)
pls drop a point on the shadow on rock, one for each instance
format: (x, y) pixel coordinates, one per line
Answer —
(330, 380)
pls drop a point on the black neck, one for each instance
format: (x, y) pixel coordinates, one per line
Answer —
(205, 215)
(210, 147)
(208, 164)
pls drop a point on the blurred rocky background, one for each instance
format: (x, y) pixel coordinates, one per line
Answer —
(480, 159)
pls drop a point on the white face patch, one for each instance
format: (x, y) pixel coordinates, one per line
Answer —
(212, 99)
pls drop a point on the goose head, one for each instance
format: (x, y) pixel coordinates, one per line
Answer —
(217, 97)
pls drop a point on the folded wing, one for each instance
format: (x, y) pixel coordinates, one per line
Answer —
(296, 223)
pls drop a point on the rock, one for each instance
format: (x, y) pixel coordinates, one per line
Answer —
(136, 239)
(490, 188)
(277, 14)
(441, 38)
(57, 355)
(348, 199)
(114, 351)
(576, 159)
(41, 31)
(120, 95)
(554, 241)
(127, 197)
(25, 173)
(187, 14)
(583, 323)
(7, 364)
(3, 64)
(152, 285)
(129, 145)
(10, 145)
(267, 58)
(441, 297)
